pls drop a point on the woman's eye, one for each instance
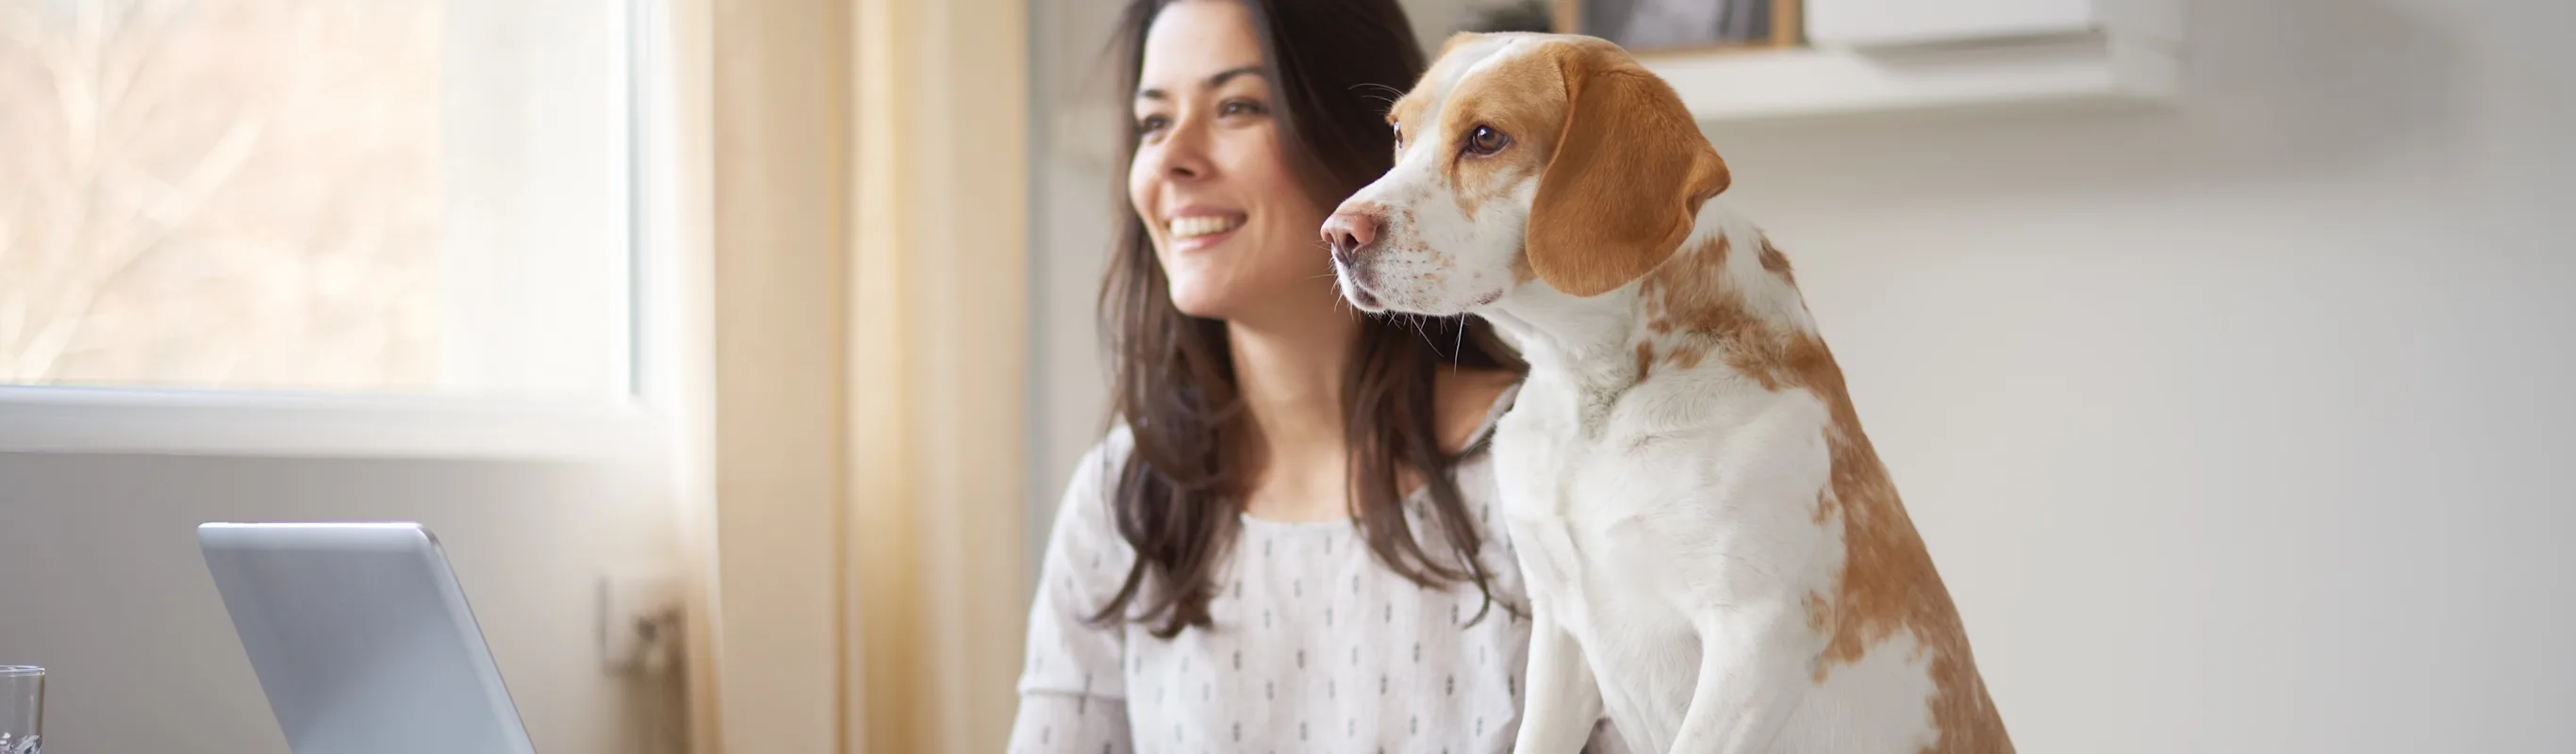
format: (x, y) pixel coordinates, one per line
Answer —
(1486, 140)
(1241, 107)
(1148, 125)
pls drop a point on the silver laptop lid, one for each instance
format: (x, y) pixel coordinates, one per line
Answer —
(361, 639)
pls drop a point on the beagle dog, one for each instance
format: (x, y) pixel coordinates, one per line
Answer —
(1715, 556)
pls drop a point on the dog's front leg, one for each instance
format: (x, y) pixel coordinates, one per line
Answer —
(1755, 666)
(1564, 701)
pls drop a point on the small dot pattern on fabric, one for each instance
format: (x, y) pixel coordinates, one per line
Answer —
(1278, 672)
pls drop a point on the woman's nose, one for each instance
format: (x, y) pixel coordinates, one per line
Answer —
(1183, 153)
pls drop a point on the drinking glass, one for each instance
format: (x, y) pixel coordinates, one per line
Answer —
(22, 709)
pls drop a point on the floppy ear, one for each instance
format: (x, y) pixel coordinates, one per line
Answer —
(1629, 174)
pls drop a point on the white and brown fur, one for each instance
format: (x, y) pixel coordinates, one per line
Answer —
(1716, 557)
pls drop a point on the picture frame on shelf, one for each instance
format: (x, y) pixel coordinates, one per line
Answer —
(1654, 27)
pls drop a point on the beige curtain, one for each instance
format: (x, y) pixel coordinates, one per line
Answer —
(865, 243)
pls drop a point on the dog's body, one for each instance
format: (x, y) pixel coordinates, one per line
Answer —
(1713, 550)
(1693, 504)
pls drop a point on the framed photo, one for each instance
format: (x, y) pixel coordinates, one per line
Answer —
(1653, 26)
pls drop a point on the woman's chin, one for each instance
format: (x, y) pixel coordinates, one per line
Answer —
(1202, 304)
(1236, 297)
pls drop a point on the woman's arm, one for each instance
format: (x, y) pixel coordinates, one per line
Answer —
(1072, 693)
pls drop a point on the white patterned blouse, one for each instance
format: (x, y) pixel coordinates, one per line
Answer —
(1317, 646)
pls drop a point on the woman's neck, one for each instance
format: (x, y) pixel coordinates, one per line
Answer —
(1289, 372)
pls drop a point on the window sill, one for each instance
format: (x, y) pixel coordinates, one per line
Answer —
(172, 422)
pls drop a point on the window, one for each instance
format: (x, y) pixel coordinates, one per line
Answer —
(336, 197)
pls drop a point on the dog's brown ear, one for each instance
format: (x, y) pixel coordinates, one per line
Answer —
(1629, 173)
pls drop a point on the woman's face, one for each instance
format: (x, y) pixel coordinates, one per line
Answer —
(1231, 224)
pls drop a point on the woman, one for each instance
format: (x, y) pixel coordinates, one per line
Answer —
(1290, 540)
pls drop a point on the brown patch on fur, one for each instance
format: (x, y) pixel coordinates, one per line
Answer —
(1626, 167)
(1887, 583)
(1645, 360)
(1407, 113)
(1521, 97)
(1684, 293)
(1777, 263)
(1405, 116)
(1620, 163)
(1521, 272)
(1686, 355)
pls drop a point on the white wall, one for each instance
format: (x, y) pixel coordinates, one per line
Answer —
(101, 582)
(1071, 86)
(2231, 426)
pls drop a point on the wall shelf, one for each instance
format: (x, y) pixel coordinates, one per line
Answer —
(1805, 82)
(2071, 70)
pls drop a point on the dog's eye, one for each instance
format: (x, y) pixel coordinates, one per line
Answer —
(1486, 140)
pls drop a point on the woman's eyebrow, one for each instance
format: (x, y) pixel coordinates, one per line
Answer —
(1228, 74)
(1212, 81)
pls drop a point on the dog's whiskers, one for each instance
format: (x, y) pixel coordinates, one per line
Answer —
(1459, 348)
(1379, 92)
(1417, 319)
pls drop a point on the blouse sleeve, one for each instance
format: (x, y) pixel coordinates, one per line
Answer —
(1050, 722)
(1072, 694)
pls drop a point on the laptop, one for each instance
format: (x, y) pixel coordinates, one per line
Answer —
(361, 639)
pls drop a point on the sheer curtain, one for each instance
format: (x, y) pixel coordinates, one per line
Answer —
(866, 380)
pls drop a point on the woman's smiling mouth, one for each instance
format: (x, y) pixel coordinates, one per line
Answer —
(1191, 232)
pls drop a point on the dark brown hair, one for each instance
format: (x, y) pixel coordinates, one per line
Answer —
(1334, 65)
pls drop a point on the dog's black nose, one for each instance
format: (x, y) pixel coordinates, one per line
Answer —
(1349, 232)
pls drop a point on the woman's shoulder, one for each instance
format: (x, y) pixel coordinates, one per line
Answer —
(1085, 555)
(1107, 456)
(1084, 512)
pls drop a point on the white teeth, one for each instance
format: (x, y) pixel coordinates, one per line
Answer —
(1202, 225)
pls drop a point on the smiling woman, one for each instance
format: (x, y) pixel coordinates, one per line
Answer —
(1288, 536)
(1221, 175)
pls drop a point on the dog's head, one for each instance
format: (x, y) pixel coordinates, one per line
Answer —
(1524, 158)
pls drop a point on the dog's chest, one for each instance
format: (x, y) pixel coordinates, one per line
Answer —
(1569, 478)
(1628, 511)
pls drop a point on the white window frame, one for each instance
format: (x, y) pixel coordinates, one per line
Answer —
(640, 423)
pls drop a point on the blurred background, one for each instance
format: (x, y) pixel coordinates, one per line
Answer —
(2218, 347)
